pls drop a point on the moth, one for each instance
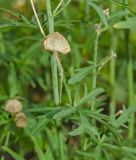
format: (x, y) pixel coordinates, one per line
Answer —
(56, 42)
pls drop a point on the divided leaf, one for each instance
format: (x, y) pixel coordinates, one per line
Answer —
(80, 75)
(99, 12)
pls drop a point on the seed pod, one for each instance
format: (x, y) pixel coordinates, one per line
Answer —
(20, 120)
(13, 106)
(55, 42)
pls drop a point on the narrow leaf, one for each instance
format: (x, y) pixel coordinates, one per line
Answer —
(80, 75)
(130, 23)
(90, 96)
(99, 12)
(38, 150)
(64, 113)
(15, 155)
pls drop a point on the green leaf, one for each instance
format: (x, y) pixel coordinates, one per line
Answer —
(125, 6)
(129, 149)
(17, 14)
(85, 127)
(124, 116)
(48, 154)
(15, 155)
(80, 75)
(88, 127)
(43, 109)
(44, 121)
(10, 12)
(86, 154)
(52, 139)
(90, 96)
(14, 85)
(99, 12)
(77, 131)
(111, 146)
(37, 148)
(61, 140)
(130, 23)
(65, 112)
(16, 24)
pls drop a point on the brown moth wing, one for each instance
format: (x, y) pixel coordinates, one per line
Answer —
(55, 42)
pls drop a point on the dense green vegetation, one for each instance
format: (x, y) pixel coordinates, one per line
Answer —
(75, 106)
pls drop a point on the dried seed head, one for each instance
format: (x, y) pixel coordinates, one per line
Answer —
(13, 106)
(55, 42)
(97, 27)
(20, 120)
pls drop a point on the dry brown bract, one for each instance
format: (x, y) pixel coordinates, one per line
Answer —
(20, 120)
(13, 106)
(55, 42)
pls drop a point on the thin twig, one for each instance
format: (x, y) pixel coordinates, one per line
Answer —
(36, 16)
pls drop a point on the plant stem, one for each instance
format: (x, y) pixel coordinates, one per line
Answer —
(94, 78)
(113, 48)
(130, 79)
(53, 58)
(95, 61)
(55, 79)
(130, 84)
(50, 16)
(130, 97)
(36, 16)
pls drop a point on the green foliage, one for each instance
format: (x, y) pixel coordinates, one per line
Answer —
(12, 153)
(73, 106)
(130, 23)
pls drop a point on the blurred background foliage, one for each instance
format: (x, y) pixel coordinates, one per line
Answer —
(67, 132)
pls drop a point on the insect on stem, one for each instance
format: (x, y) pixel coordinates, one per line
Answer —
(37, 19)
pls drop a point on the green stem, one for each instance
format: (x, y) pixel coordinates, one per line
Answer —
(113, 48)
(94, 78)
(53, 59)
(55, 79)
(130, 85)
(50, 16)
(130, 79)
(130, 98)
(113, 79)
(95, 62)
